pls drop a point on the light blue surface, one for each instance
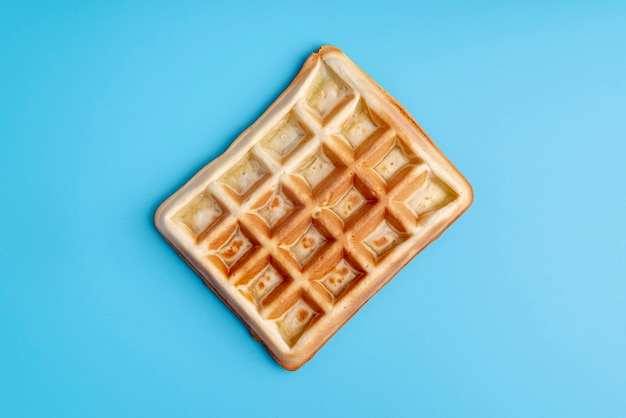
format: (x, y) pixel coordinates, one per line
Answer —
(518, 310)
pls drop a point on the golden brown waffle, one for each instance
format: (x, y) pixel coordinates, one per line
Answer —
(314, 207)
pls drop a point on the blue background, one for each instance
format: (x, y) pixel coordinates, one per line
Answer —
(518, 310)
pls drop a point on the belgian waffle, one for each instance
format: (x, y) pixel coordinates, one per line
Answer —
(314, 208)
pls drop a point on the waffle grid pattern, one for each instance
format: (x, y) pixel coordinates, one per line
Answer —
(305, 216)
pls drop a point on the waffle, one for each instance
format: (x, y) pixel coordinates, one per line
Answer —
(314, 208)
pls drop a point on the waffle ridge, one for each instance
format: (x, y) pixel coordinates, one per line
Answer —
(314, 208)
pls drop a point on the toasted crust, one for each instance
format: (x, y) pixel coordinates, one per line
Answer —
(314, 207)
